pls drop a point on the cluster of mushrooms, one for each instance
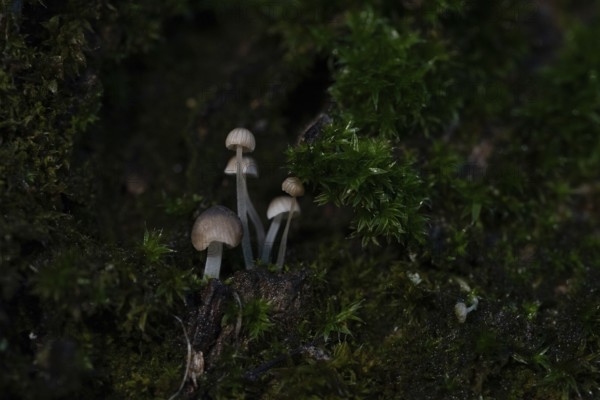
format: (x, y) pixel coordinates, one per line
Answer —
(218, 225)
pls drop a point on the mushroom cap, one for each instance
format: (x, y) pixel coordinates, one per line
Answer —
(217, 224)
(282, 204)
(293, 186)
(249, 166)
(240, 137)
(460, 310)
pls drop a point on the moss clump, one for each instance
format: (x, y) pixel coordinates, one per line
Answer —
(362, 173)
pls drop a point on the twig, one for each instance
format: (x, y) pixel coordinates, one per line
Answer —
(189, 359)
(238, 323)
(309, 349)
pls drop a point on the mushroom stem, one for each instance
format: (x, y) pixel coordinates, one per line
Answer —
(281, 254)
(213, 260)
(241, 207)
(473, 306)
(255, 219)
(270, 238)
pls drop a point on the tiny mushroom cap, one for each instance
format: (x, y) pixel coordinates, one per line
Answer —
(282, 204)
(249, 167)
(217, 224)
(293, 186)
(240, 137)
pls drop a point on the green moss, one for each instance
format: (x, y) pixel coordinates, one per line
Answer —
(152, 248)
(395, 87)
(385, 194)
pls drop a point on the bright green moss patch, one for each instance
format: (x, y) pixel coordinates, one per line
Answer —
(389, 79)
(362, 173)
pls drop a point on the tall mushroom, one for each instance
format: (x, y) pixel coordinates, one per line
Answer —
(212, 228)
(294, 188)
(278, 208)
(249, 168)
(241, 140)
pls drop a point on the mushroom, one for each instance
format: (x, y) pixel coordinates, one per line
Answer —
(461, 310)
(249, 168)
(278, 208)
(294, 188)
(212, 228)
(242, 141)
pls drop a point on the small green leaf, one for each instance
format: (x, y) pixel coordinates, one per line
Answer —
(377, 171)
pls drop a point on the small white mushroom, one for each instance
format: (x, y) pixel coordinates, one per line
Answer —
(212, 228)
(249, 168)
(461, 310)
(241, 140)
(196, 367)
(278, 208)
(294, 188)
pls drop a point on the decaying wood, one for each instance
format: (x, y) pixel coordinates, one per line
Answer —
(289, 296)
